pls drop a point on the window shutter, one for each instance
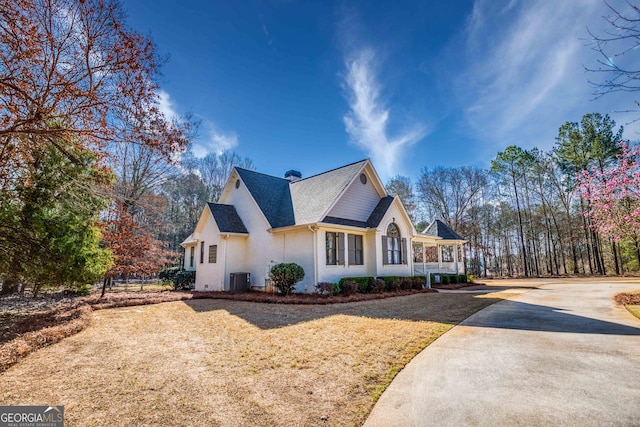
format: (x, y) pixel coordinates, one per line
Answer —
(340, 248)
(403, 251)
(352, 248)
(384, 251)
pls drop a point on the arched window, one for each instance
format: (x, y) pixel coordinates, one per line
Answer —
(392, 244)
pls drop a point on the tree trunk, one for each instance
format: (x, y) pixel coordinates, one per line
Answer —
(615, 257)
(9, 286)
(586, 234)
(104, 286)
(524, 248)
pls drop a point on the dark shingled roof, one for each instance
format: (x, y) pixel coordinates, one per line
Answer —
(440, 229)
(304, 201)
(379, 211)
(272, 196)
(227, 218)
(374, 219)
(313, 196)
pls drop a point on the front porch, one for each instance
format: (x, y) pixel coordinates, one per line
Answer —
(438, 250)
(444, 258)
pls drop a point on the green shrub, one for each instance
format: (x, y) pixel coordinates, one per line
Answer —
(453, 278)
(406, 283)
(81, 290)
(388, 281)
(462, 278)
(327, 288)
(470, 278)
(444, 279)
(167, 275)
(432, 277)
(419, 282)
(285, 276)
(365, 284)
(378, 286)
(349, 287)
(184, 280)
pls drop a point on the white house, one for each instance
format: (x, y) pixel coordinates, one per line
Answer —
(340, 223)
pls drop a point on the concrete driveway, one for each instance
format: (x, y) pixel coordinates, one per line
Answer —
(562, 354)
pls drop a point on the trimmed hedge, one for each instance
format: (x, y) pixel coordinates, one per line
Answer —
(393, 283)
(445, 279)
(365, 284)
(390, 282)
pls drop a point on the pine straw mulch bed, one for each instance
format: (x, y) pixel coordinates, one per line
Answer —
(27, 324)
(628, 299)
(215, 362)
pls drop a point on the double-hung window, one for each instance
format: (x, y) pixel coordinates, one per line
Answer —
(335, 248)
(356, 250)
(213, 254)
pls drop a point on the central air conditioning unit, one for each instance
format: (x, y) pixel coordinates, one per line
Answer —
(239, 282)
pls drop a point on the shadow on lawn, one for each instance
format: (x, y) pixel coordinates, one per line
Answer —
(430, 307)
(441, 308)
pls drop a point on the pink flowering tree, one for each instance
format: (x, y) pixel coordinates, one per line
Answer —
(614, 197)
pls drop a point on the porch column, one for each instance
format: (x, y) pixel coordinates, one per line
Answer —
(455, 257)
(424, 261)
(439, 258)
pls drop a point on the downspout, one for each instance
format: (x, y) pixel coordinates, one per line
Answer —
(314, 229)
(224, 264)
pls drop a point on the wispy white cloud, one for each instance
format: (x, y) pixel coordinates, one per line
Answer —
(166, 105)
(212, 140)
(368, 119)
(525, 71)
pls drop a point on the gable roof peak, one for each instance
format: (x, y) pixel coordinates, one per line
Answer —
(440, 229)
(363, 161)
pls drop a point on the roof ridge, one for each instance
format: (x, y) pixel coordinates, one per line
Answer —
(260, 173)
(330, 170)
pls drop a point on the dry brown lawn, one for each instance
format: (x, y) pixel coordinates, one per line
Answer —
(217, 362)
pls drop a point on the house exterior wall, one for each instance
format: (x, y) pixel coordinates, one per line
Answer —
(357, 202)
(235, 258)
(333, 273)
(209, 276)
(406, 230)
(297, 246)
(259, 247)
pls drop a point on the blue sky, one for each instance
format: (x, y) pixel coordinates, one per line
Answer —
(315, 85)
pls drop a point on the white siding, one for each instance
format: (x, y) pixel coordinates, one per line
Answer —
(259, 248)
(209, 276)
(406, 229)
(333, 273)
(357, 202)
(235, 251)
(297, 246)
